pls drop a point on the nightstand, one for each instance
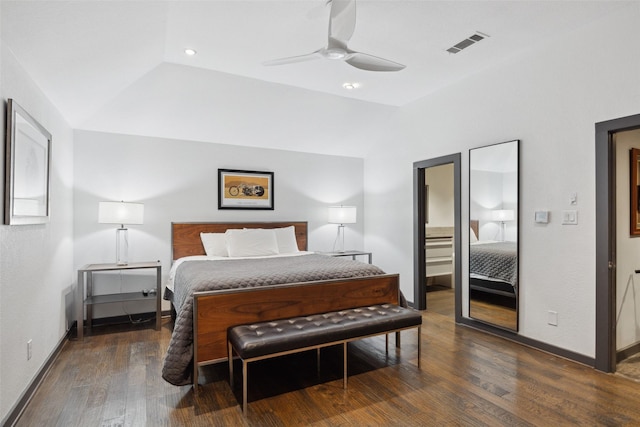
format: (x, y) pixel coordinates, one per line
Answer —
(439, 259)
(352, 254)
(85, 275)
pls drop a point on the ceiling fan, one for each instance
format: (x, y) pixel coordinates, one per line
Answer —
(342, 23)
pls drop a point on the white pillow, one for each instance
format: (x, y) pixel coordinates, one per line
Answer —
(286, 238)
(251, 242)
(215, 244)
(472, 236)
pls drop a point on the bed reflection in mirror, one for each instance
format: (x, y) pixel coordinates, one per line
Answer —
(493, 234)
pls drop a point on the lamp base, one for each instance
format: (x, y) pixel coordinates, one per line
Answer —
(122, 246)
(339, 239)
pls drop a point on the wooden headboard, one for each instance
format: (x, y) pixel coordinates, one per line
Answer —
(474, 224)
(185, 236)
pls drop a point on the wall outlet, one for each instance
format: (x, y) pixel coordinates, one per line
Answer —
(552, 318)
(29, 349)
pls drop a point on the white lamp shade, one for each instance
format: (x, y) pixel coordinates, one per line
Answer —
(120, 213)
(502, 215)
(342, 214)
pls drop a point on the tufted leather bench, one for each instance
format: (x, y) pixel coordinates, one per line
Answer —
(279, 337)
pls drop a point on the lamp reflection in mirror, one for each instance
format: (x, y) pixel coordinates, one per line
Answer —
(502, 216)
(121, 213)
(341, 215)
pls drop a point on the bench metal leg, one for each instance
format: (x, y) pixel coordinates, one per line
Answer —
(318, 360)
(230, 354)
(195, 376)
(398, 339)
(244, 387)
(386, 343)
(419, 344)
(344, 361)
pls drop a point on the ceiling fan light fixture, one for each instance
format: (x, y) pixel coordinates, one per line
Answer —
(190, 52)
(351, 86)
(334, 53)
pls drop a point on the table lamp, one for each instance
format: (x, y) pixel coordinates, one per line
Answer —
(501, 216)
(341, 215)
(121, 213)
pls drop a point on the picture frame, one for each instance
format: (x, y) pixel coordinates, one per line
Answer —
(634, 187)
(243, 189)
(27, 168)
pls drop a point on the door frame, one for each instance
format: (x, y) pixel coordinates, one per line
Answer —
(606, 238)
(419, 215)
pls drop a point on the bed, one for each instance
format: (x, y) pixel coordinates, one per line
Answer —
(493, 266)
(210, 295)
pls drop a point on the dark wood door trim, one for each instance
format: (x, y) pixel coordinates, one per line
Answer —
(605, 359)
(419, 276)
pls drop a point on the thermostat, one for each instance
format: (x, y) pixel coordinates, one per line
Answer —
(542, 217)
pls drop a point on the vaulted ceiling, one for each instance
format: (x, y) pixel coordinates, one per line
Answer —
(120, 66)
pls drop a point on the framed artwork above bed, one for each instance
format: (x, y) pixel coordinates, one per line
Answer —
(241, 189)
(635, 191)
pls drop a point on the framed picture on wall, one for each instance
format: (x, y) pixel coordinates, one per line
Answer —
(27, 157)
(241, 189)
(634, 186)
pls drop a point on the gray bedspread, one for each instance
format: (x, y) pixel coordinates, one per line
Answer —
(496, 261)
(195, 276)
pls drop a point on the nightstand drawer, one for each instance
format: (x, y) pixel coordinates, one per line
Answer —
(439, 266)
(439, 251)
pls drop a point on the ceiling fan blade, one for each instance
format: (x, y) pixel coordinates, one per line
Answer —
(318, 10)
(293, 59)
(342, 21)
(367, 62)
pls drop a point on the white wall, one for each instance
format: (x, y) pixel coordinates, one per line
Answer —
(494, 190)
(486, 196)
(177, 181)
(627, 249)
(550, 100)
(35, 260)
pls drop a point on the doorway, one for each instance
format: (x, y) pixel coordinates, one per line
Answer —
(606, 241)
(627, 281)
(437, 225)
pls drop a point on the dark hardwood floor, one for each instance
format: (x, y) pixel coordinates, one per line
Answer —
(468, 378)
(441, 300)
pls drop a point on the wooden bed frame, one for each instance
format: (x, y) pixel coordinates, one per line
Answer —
(215, 311)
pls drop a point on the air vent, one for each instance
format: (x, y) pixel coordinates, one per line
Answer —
(471, 40)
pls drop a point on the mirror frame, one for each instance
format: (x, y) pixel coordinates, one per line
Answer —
(515, 328)
(27, 168)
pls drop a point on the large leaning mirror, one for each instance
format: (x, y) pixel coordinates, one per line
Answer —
(493, 234)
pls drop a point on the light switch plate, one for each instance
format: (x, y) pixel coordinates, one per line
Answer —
(573, 198)
(569, 217)
(542, 217)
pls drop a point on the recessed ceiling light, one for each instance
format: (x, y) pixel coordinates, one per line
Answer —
(351, 86)
(190, 52)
